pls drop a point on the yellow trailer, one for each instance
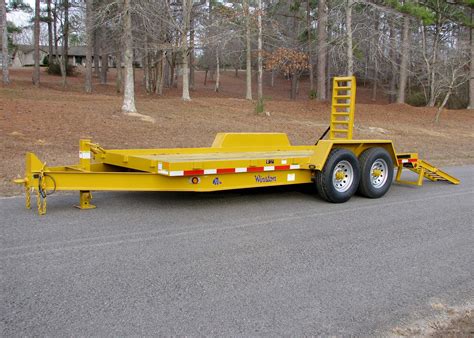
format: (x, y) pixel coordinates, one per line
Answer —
(338, 166)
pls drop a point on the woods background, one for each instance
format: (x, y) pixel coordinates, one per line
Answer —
(416, 52)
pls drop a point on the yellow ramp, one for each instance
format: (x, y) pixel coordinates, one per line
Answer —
(342, 108)
(423, 169)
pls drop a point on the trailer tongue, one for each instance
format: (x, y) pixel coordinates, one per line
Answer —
(339, 166)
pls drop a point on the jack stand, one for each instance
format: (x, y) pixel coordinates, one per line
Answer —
(85, 198)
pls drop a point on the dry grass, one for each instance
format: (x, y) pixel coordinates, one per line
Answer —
(446, 322)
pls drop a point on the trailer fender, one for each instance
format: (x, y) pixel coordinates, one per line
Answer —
(324, 147)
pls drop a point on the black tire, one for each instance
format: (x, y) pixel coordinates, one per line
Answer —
(375, 186)
(344, 162)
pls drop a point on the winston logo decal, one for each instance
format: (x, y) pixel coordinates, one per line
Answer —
(265, 179)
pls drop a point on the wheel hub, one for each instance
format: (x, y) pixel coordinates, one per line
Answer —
(379, 173)
(343, 176)
(340, 175)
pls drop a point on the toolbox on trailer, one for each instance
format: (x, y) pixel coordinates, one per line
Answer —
(339, 166)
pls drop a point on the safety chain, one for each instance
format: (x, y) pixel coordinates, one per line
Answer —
(28, 197)
(41, 203)
(41, 194)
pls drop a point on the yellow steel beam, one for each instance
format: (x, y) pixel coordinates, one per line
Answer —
(140, 181)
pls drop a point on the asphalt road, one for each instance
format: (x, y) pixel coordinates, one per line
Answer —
(264, 262)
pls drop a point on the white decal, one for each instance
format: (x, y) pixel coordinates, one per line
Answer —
(86, 155)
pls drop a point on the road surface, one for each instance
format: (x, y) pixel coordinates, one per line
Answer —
(264, 262)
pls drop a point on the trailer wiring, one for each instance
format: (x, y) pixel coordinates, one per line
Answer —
(45, 193)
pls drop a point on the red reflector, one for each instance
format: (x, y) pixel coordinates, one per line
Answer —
(193, 172)
(226, 170)
(254, 169)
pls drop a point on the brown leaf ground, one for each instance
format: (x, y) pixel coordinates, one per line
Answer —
(49, 120)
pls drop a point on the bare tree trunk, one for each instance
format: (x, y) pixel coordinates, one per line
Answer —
(248, 93)
(375, 61)
(118, 68)
(104, 56)
(394, 70)
(187, 6)
(272, 79)
(471, 68)
(323, 50)
(446, 97)
(176, 73)
(310, 56)
(5, 57)
(36, 71)
(162, 74)
(294, 86)
(55, 35)
(405, 56)
(96, 53)
(191, 54)
(443, 104)
(259, 53)
(89, 32)
(65, 43)
(350, 55)
(374, 84)
(166, 73)
(172, 68)
(218, 70)
(328, 54)
(50, 33)
(432, 99)
(129, 90)
(146, 67)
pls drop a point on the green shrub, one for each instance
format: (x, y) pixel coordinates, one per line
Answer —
(417, 99)
(260, 107)
(312, 94)
(55, 69)
(46, 61)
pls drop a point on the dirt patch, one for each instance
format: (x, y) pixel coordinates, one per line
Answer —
(447, 322)
(50, 120)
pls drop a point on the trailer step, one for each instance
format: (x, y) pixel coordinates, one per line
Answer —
(423, 169)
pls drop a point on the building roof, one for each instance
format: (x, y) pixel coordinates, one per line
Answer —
(30, 48)
(73, 50)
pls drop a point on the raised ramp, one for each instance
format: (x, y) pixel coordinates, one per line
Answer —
(342, 108)
(422, 168)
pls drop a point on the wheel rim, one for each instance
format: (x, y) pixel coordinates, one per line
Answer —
(343, 175)
(378, 173)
